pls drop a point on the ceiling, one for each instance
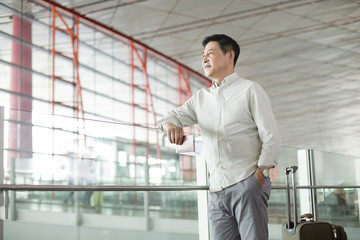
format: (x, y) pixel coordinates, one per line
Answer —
(306, 54)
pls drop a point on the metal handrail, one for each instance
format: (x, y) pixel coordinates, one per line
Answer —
(19, 187)
(315, 187)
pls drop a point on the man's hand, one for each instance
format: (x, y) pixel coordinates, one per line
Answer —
(260, 176)
(175, 133)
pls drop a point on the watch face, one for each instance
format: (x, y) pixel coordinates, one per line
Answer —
(266, 173)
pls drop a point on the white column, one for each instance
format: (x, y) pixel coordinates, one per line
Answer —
(303, 180)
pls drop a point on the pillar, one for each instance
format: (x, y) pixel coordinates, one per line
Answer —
(20, 135)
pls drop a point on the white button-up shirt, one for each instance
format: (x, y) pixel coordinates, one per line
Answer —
(238, 129)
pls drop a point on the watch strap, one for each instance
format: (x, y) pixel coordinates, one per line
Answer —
(262, 170)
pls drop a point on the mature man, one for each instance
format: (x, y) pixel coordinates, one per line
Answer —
(240, 142)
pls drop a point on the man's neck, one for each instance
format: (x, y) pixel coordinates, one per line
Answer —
(219, 80)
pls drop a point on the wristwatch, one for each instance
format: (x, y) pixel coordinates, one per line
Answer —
(265, 172)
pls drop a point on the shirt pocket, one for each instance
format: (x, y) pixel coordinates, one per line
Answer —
(235, 115)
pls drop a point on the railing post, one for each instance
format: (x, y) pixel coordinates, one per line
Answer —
(147, 195)
(308, 198)
(311, 162)
(12, 193)
(2, 207)
(201, 174)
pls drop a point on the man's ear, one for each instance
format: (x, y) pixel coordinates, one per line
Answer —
(232, 54)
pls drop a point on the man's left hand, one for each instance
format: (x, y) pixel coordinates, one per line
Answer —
(260, 176)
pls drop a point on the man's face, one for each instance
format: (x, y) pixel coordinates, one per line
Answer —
(215, 62)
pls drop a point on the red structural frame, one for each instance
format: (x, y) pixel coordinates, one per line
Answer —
(148, 99)
(73, 33)
(114, 32)
(183, 79)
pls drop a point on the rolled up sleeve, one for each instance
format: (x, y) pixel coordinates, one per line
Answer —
(267, 127)
(183, 116)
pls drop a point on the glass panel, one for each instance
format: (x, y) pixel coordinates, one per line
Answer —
(103, 59)
(277, 209)
(62, 150)
(334, 169)
(89, 214)
(339, 206)
(51, 149)
(288, 157)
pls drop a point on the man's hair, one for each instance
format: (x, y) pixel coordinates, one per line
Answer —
(225, 42)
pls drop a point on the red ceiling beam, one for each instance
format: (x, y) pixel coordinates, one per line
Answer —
(111, 30)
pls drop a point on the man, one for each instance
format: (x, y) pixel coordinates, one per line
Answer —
(240, 143)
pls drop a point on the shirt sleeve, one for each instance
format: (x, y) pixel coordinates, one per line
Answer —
(183, 116)
(267, 127)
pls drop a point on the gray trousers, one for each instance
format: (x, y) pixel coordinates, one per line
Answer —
(240, 211)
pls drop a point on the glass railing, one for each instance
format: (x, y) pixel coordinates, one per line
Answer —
(42, 149)
(75, 174)
(112, 214)
(339, 206)
(89, 179)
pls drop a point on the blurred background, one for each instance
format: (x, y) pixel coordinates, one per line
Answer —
(83, 83)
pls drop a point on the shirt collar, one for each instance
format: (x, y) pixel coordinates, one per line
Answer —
(227, 81)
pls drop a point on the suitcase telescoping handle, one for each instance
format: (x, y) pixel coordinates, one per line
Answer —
(291, 226)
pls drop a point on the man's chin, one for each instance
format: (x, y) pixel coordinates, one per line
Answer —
(207, 73)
